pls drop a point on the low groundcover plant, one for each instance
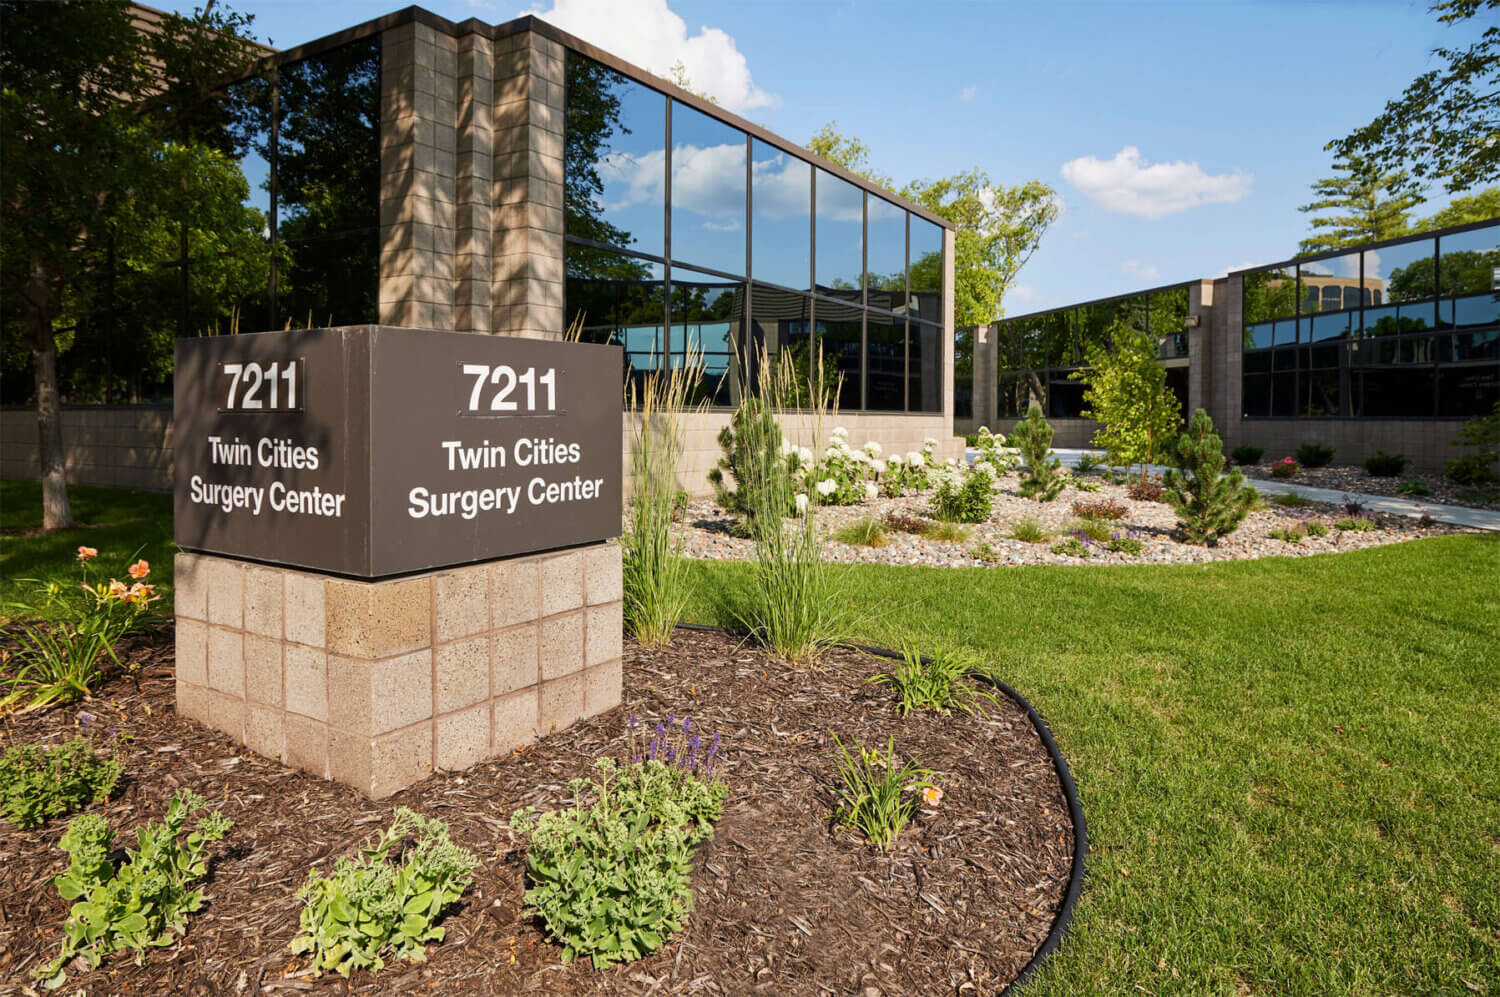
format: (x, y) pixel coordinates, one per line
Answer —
(38, 783)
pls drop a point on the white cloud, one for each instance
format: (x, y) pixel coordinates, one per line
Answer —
(1226, 271)
(1130, 185)
(1020, 293)
(968, 93)
(649, 34)
(1139, 270)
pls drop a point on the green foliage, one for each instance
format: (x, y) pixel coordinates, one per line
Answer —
(1369, 203)
(1082, 485)
(1088, 463)
(753, 463)
(937, 682)
(848, 151)
(1481, 207)
(144, 901)
(1097, 530)
(1314, 455)
(1385, 465)
(1143, 489)
(875, 794)
(1247, 456)
(37, 783)
(994, 451)
(1042, 478)
(869, 532)
(390, 898)
(917, 526)
(1470, 469)
(1029, 530)
(1292, 500)
(1102, 509)
(1071, 547)
(1359, 522)
(1483, 434)
(1414, 488)
(1285, 468)
(1210, 504)
(984, 552)
(1132, 546)
(1125, 389)
(965, 495)
(610, 875)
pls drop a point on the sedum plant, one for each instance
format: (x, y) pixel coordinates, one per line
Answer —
(1210, 504)
(389, 899)
(876, 795)
(935, 683)
(1042, 479)
(610, 876)
(139, 903)
(39, 783)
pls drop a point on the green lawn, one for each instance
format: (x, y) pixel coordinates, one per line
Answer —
(1290, 767)
(119, 523)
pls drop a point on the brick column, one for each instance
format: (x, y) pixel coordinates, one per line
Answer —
(986, 373)
(1201, 347)
(474, 189)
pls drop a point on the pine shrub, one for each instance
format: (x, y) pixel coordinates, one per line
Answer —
(1042, 479)
(1247, 455)
(1386, 465)
(1210, 504)
(1314, 455)
(754, 461)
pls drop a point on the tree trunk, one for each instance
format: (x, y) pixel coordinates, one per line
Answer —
(57, 513)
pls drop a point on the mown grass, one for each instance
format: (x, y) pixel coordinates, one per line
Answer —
(1290, 767)
(118, 522)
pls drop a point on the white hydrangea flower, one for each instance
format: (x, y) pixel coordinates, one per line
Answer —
(787, 446)
(827, 487)
(984, 430)
(916, 458)
(840, 433)
(929, 442)
(951, 462)
(831, 453)
(801, 503)
(872, 448)
(894, 460)
(871, 491)
(878, 466)
(804, 455)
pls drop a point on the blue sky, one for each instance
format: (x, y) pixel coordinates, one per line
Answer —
(1181, 137)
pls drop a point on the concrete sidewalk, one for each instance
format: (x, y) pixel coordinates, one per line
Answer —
(1456, 515)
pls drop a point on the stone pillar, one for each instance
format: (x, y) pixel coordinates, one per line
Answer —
(378, 684)
(474, 187)
(986, 374)
(527, 295)
(1226, 360)
(1201, 347)
(945, 352)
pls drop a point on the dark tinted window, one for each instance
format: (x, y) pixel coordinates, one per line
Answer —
(781, 203)
(885, 362)
(838, 242)
(886, 245)
(708, 191)
(927, 270)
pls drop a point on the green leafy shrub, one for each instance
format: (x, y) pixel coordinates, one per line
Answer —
(1385, 465)
(870, 532)
(1042, 479)
(1210, 504)
(909, 473)
(140, 903)
(1247, 456)
(390, 898)
(1290, 534)
(994, 451)
(1413, 487)
(1029, 530)
(927, 528)
(1359, 522)
(1102, 509)
(1470, 469)
(1291, 500)
(937, 683)
(1126, 544)
(1478, 468)
(875, 794)
(965, 495)
(610, 875)
(1073, 546)
(1316, 528)
(1314, 455)
(37, 783)
(1082, 485)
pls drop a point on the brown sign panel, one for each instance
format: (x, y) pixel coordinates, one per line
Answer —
(374, 451)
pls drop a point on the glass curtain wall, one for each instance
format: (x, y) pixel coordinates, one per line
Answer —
(683, 231)
(1410, 329)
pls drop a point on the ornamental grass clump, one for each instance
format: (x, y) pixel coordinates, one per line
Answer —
(1030, 530)
(1042, 478)
(1210, 504)
(653, 570)
(38, 783)
(388, 900)
(877, 794)
(864, 533)
(610, 877)
(938, 682)
(140, 903)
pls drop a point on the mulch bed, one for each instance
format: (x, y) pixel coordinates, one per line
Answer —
(787, 903)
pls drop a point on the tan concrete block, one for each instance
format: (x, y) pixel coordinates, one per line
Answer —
(514, 722)
(562, 583)
(227, 715)
(265, 732)
(366, 620)
(374, 697)
(192, 651)
(226, 662)
(604, 633)
(463, 674)
(263, 601)
(190, 587)
(349, 759)
(399, 760)
(462, 604)
(560, 703)
(263, 670)
(192, 701)
(307, 682)
(226, 592)
(602, 578)
(304, 611)
(515, 592)
(562, 646)
(514, 659)
(463, 739)
(307, 745)
(603, 688)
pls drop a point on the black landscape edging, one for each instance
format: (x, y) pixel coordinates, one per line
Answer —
(1064, 775)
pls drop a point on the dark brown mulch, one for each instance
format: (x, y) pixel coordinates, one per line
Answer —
(786, 902)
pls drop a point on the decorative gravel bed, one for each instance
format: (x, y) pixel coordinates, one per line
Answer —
(705, 531)
(1351, 478)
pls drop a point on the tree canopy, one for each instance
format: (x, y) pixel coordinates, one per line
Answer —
(1360, 204)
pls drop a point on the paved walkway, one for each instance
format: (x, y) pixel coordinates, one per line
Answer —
(1457, 515)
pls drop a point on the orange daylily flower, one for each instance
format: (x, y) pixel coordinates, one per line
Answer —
(87, 553)
(140, 569)
(117, 589)
(932, 796)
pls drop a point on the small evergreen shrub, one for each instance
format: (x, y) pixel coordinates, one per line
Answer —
(864, 533)
(1042, 478)
(1413, 487)
(1247, 456)
(754, 460)
(965, 495)
(936, 683)
(37, 783)
(878, 796)
(143, 901)
(1284, 468)
(1030, 531)
(1314, 455)
(1102, 509)
(389, 899)
(1088, 462)
(1385, 465)
(1210, 504)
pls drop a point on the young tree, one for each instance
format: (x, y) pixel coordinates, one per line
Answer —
(1479, 207)
(1443, 126)
(1125, 389)
(1361, 204)
(1210, 504)
(848, 151)
(1042, 478)
(89, 107)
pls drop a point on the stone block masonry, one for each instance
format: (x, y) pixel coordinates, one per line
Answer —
(378, 684)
